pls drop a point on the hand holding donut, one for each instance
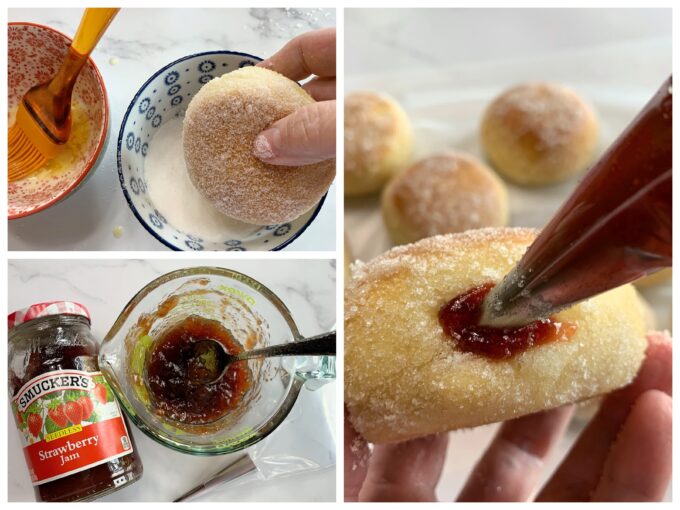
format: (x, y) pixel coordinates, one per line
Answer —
(624, 454)
(307, 135)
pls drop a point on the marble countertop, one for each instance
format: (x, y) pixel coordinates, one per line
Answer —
(138, 43)
(307, 287)
(383, 40)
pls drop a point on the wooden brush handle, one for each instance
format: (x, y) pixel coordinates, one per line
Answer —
(92, 26)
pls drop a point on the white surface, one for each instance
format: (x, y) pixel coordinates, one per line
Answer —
(307, 287)
(137, 44)
(175, 196)
(380, 40)
(445, 66)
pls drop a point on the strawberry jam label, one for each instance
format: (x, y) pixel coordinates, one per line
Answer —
(69, 421)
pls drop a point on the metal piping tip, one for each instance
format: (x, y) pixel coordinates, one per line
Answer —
(187, 495)
(240, 467)
(511, 305)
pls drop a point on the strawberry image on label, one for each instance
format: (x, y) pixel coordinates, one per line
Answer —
(100, 393)
(74, 412)
(57, 415)
(87, 406)
(34, 424)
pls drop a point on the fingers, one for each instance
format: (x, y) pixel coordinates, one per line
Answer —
(639, 464)
(312, 53)
(304, 137)
(356, 461)
(579, 473)
(511, 468)
(407, 471)
(321, 89)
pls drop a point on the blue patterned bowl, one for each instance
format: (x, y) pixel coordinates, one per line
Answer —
(166, 95)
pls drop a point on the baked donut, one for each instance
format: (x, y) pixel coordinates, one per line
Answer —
(587, 408)
(377, 141)
(405, 378)
(442, 194)
(539, 133)
(220, 127)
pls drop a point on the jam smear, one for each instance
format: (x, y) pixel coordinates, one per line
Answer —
(171, 377)
(460, 320)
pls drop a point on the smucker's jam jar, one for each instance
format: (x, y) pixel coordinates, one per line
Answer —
(76, 441)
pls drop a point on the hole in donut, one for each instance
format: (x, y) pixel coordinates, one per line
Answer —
(460, 320)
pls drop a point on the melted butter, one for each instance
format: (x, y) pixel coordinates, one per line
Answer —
(72, 151)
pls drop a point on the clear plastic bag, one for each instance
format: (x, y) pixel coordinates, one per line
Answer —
(304, 442)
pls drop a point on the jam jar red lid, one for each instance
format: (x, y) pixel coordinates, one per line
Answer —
(39, 310)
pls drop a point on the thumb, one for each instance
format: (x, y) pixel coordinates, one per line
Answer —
(306, 136)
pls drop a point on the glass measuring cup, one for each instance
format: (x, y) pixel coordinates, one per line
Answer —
(253, 314)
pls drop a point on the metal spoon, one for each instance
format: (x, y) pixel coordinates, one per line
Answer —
(211, 360)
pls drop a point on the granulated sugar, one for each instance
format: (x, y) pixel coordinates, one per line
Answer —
(175, 197)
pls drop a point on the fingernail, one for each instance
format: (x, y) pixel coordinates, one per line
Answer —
(262, 148)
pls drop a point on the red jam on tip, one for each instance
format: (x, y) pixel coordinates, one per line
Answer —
(460, 320)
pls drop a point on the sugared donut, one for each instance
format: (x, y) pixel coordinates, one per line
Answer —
(220, 127)
(405, 378)
(377, 141)
(442, 194)
(539, 133)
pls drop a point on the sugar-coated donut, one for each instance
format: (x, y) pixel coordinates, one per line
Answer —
(441, 194)
(377, 141)
(405, 378)
(587, 408)
(539, 133)
(220, 127)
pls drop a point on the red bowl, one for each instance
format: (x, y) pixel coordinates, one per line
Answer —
(34, 53)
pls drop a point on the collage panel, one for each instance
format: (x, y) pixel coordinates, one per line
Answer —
(507, 175)
(503, 291)
(138, 152)
(172, 380)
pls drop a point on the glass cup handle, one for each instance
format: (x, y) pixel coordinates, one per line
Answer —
(316, 371)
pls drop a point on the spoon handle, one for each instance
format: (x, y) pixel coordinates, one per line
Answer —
(319, 345)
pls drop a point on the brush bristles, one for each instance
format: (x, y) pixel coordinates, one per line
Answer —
(23, 158)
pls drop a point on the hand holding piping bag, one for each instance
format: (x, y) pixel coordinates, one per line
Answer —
(308, 135)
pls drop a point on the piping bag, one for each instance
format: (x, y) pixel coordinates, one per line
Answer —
(615, 227)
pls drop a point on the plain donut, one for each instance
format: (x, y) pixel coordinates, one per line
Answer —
(404, 378)
(220, 128)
